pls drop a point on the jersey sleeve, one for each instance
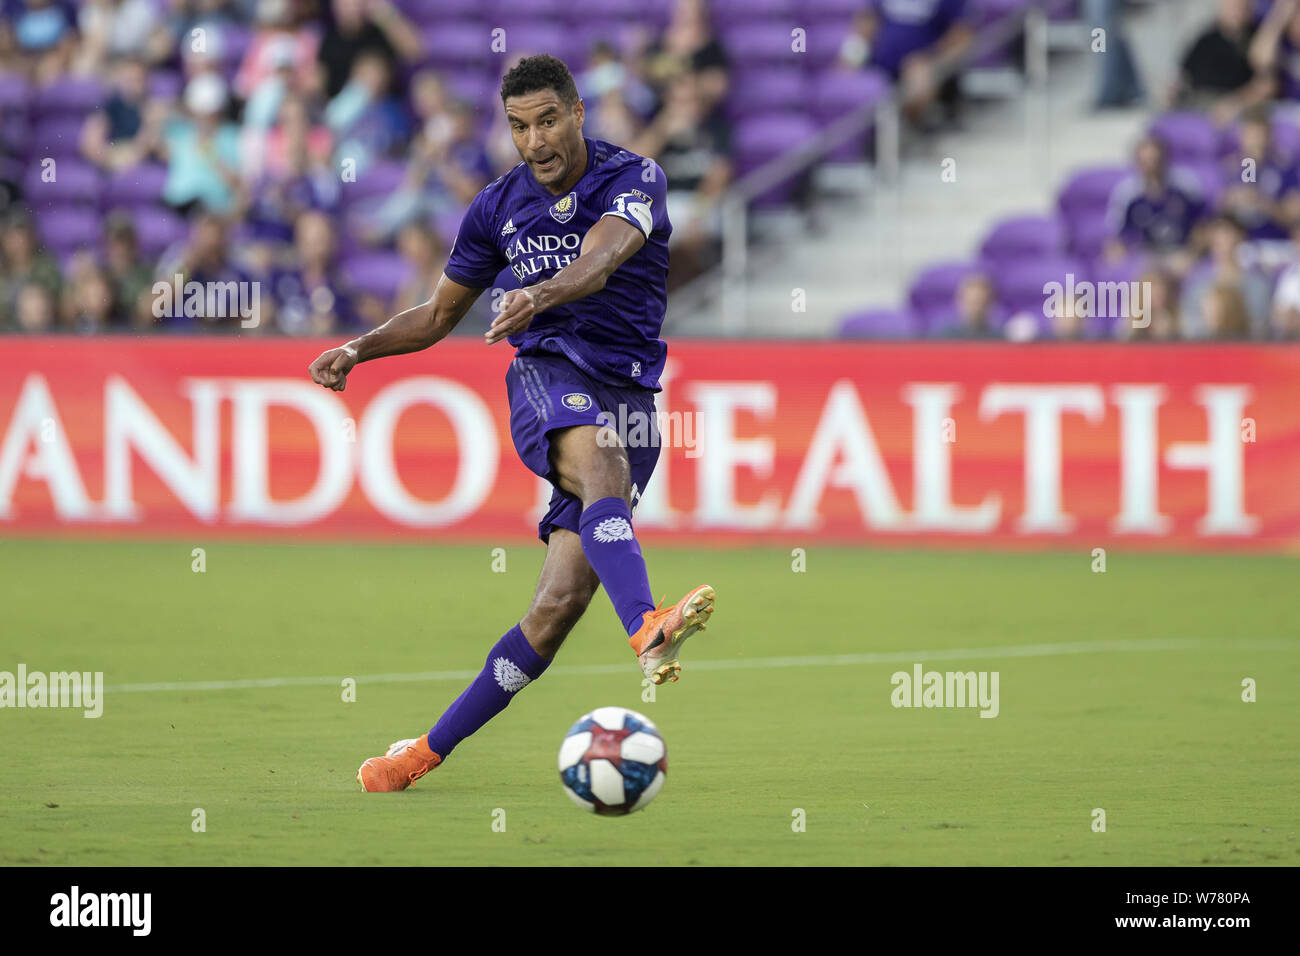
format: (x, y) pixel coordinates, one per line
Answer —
(638, 194)
(475, 259)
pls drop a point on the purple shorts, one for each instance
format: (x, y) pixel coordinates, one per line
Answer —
(548, 392)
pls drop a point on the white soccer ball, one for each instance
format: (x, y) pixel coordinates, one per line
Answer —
(613, 761)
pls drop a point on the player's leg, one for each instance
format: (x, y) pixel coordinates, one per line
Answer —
(564, 590)
(592, 465)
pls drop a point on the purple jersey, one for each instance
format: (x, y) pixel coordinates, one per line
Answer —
(910, 25)
(514, 223)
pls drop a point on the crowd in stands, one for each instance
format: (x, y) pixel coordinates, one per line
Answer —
(1200, 232)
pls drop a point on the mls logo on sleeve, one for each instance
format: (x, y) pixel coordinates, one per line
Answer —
(564, 209)
(577, 401)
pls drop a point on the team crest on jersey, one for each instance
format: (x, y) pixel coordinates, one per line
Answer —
(577, 401)
(564, 209)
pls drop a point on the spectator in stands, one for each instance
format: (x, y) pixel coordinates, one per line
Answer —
(855, 48)
(977, 310)
(120, 28)
(202, 150)
(197, 31)
(125, 269)
(277, 30)
(1286, 297)
(90, 306)
(45, 40)
(607, 75)
(1119, 84)
(366, 119)
(1155, 208)
(1261, 184)
(1159, 296)
(1216, 72)
(126, 130)
(447, 169)
(420, 247)
(34, 309)
(917, 41)
(1275, 51)
(688, 45)
(22, 262)
(1224, 312)
(691, 142)
(1225, 269)
(203, 258)
(311, 297)
(361, 26)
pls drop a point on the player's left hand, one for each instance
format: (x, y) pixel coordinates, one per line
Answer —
(518, 306)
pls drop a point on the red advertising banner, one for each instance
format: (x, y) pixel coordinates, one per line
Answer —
(1171, 447)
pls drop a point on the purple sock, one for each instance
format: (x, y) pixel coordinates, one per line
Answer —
(511, 664)
(612, 550)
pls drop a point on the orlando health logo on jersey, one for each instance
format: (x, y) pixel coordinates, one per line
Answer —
(517, 229)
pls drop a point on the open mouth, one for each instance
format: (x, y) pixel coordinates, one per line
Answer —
(547, 166)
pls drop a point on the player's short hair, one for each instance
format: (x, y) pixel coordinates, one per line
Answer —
(540, 72)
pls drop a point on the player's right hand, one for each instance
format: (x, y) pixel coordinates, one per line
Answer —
(331, 369)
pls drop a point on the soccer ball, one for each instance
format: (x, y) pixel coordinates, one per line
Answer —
(613, 761)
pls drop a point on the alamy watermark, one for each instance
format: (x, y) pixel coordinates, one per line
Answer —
(76, 689)
(634, 428)
(1109, 300)
(946, 689)
(208, 300)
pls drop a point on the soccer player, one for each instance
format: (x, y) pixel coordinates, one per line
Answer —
(581, 225)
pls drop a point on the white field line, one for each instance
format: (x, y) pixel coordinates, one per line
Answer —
(745, 663)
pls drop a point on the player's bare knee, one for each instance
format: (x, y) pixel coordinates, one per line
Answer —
(553, 615)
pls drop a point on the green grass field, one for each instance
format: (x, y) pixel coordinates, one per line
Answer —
(1136, 709)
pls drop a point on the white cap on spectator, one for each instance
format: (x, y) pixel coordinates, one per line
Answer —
(205, 94)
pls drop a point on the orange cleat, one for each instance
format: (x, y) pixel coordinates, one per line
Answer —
(663, 631)
(405, 762)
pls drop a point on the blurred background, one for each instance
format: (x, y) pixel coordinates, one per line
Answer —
(862, 168)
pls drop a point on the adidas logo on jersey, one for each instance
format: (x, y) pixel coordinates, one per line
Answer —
(509, 226)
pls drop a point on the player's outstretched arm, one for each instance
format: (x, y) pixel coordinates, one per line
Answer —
(605, 247)
(408, 331)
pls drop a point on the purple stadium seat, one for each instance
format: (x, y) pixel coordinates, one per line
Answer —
(157, 227)
(542, 36)
(1208, 176)
(723, 12)
(934, 290)
(759, 44)
(135, 186)
(1088, 235)
(1129, 269)
(378, 180)
(1020, 284)
(836, 92)
(66, 229)
(1189, 137)
(1024, 237)
(879, 324)
(825, 38)
(1088, 191)
(14, 91)
(378, 273)
(74, 181)
(425, 12)
(760, 139)
(459, 44)
(70, 95)
(985, 13)
(766, 91)
(481, 88)
(825, 9)
(58, 136)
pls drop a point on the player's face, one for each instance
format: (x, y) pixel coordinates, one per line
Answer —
(548, 135)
